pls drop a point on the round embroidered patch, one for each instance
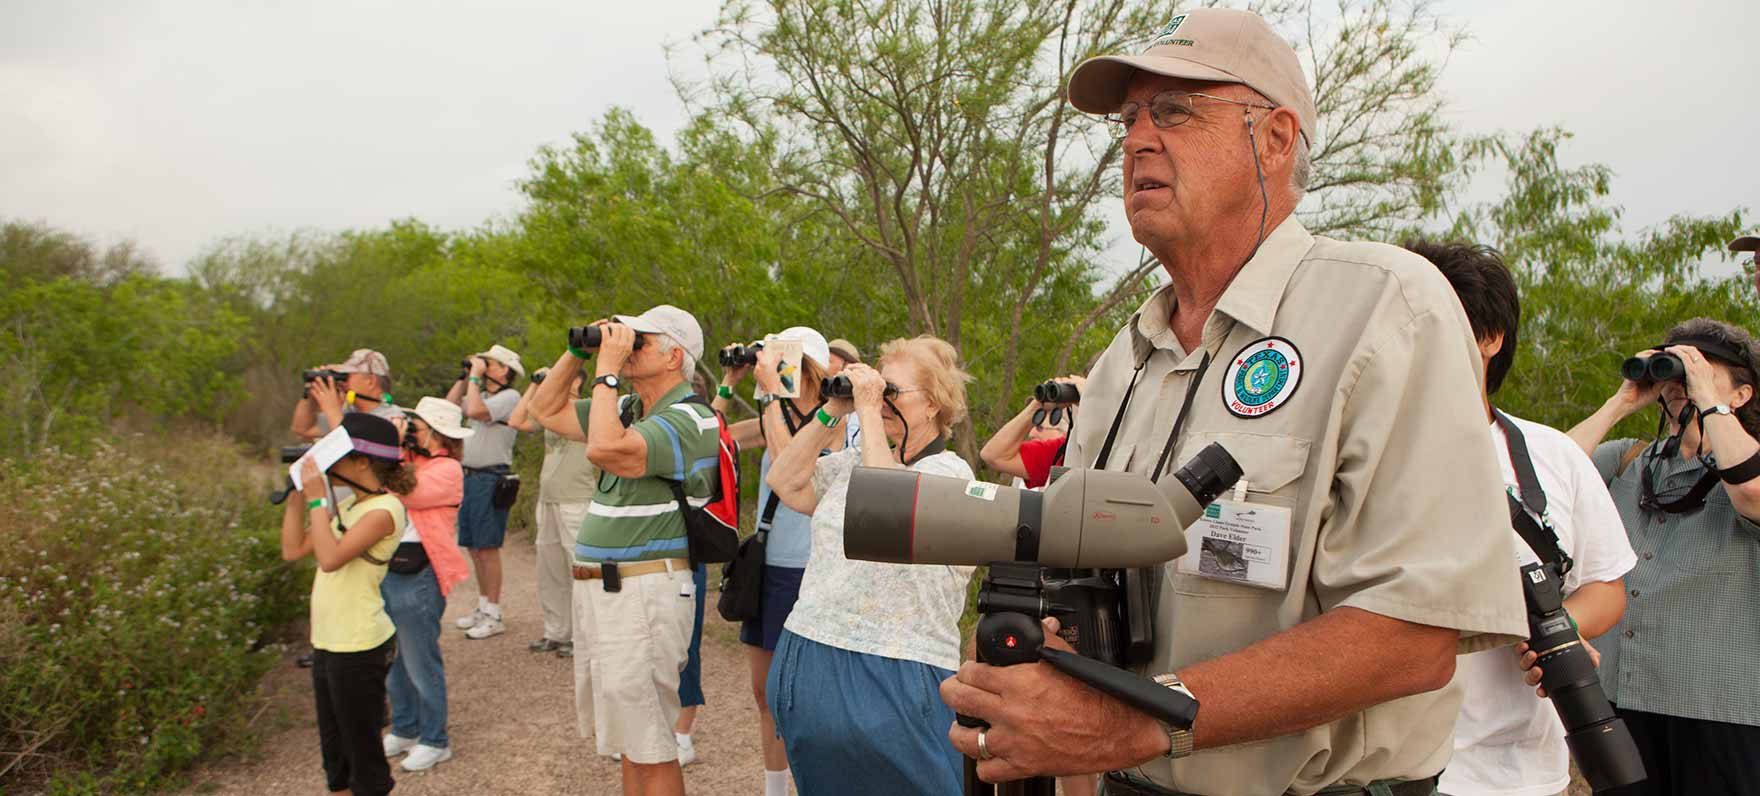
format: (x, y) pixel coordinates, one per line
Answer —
(1262, 377)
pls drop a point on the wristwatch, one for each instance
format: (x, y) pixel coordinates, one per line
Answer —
(609, 380)
(1179, 739)
(1719, 409)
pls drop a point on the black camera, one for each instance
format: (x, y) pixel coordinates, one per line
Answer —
(587, 338)
(1598, 739)
(1658, 367)
(840, 387)
(740, 355)
(1057, 392)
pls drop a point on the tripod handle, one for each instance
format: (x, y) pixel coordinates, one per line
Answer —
(1161, 703)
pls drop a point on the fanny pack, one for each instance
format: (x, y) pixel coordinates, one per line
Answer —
(506, 485)
(408, 559)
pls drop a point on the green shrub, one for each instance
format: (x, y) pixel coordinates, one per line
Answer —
(141, 594)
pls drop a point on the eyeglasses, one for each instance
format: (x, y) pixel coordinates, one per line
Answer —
(1168, 109)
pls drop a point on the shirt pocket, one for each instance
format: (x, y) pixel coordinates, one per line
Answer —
(1273, 466)
(1710, 543)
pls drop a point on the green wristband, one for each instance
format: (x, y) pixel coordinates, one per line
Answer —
(476, 380)
(827, 419)
(314, 505)
(724, 391)
(579, 353)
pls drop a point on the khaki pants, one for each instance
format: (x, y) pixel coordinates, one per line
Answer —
(631, 646)
(558, 524)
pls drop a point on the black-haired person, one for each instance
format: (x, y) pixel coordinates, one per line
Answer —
(1507, 741)
(427, 567)
(1033, 441)
(1682, 664)
(487, 396)
(353, 638)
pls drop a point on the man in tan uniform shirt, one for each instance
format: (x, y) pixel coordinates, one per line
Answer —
(1342, 378)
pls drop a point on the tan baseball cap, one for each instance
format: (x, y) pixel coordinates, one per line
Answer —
(1746, 243)
(1219, 45)
(846, 349)
(505, 356)
(365, 360)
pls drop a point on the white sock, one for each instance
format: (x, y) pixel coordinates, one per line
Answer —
(684, 739)
(483, 604)
(492, 609)
(776, 783)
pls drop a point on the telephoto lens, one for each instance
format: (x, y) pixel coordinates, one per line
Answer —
(740, 355)
(1099, 519)
(1658, 367)
(586, 338)
(1599, 740)
(1057, 392)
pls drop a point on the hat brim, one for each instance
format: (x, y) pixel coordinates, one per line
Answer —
(1746, 243)
(1098, 84)
(514, 366)
(637, 323)
(449, 432)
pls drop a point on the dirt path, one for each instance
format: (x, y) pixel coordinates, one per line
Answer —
(512, 716)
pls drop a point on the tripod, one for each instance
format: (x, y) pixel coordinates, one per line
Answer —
(1011, 602)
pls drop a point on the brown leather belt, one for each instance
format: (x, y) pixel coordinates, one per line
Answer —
(633, 568)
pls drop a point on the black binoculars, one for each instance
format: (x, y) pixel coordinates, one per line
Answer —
(587, 338)
(740, 355)
(840, 387)
(1057, 392)
(322, 373)
(1658, 367)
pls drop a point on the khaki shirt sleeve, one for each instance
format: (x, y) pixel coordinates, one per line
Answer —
(1419, 529)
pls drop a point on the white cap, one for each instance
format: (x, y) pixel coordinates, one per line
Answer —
(813, 344)
(505, 356)
(444, 416)
(671, 321)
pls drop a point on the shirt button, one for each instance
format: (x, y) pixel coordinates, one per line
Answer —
(1630, 634)
(1648, 556)
(1634, 592)
(1659, 519)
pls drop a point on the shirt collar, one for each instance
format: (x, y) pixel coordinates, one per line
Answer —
(1257, 289)
(1252, 297)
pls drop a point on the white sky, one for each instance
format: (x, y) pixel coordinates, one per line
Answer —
(175, 123)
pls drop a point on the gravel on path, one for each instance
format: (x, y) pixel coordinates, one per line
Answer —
(512, 720)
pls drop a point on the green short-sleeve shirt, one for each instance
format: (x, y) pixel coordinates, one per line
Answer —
(638, 519)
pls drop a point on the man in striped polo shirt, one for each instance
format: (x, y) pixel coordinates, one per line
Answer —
(634, 598)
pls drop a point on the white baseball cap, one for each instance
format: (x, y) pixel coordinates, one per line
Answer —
(813, 344)
(671, 321)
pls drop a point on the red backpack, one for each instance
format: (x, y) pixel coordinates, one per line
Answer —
(713, 528)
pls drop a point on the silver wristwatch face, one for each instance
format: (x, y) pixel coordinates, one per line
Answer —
(610, 381)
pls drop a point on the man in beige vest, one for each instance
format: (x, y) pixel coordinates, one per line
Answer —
(1343, 379)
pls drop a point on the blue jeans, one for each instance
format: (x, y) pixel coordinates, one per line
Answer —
(857, 724)
(417, 681)
(690, 679)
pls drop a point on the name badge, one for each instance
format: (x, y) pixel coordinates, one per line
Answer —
(1240, 542)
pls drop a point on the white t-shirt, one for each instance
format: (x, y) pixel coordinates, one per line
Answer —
(492, 444)
(903, 611)
(1507, 741)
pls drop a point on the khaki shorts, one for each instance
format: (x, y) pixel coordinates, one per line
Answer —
(629, 649)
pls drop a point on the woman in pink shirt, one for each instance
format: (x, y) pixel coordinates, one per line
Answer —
(427, 565)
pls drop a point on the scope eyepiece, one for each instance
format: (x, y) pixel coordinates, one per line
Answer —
(1209, 473)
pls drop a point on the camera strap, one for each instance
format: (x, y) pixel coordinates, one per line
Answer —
(1538, 534)
(1179, 420)
(1675, 502)
(1118, 417)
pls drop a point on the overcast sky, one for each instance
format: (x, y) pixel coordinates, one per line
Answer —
(176, 123)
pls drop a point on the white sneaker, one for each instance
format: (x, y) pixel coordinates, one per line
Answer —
(489, 626)
(471, 619)
(395, 745)
(686, 755)
(424, 757)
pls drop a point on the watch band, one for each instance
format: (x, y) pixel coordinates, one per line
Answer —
(1179, 739)
(1719, 409)
(607, 380)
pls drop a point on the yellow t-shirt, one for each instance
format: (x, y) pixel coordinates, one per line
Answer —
(348, 615)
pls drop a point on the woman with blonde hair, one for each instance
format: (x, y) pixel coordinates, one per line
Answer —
(854, 686)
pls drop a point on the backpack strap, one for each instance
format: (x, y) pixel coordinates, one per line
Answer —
(1631, 455)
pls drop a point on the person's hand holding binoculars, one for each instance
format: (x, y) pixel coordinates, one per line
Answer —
(866, 384)
(1701, 381)
(479, 366)
(615, 344)
(734, 374)
(1633, 396)
(328, 394)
